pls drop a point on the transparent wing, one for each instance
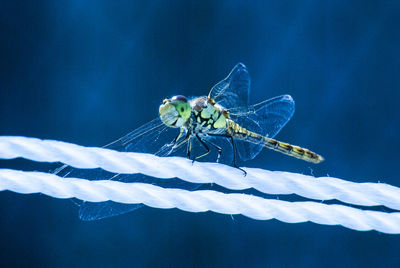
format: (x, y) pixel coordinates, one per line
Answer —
(266, 118)
(234, 90)
(153, 137)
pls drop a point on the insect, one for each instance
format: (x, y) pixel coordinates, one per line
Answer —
(206, 116)
(218, 127)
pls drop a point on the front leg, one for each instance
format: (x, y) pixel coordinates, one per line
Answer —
(177, 142)
(174, 141)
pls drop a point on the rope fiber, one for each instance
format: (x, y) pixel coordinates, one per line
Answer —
(270, 182)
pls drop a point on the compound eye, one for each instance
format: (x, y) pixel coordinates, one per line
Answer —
(179, 98)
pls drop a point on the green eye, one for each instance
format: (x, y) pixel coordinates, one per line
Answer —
(183, 108)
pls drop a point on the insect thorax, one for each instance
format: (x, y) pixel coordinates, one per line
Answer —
(207, 117)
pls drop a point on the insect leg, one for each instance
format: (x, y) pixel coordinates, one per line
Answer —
(177, 137)
(219, 149)
(176, 143)
(234, 156)
(189, 148)
(234, 150)
(205, 146)
(180, 143)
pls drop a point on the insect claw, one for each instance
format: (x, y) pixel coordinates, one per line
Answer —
(241, 169)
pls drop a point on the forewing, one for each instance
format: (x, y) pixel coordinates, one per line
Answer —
(153, 137)
(234, 90)
(266, 118)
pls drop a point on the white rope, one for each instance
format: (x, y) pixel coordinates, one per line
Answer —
(270, 182)
(199, 201)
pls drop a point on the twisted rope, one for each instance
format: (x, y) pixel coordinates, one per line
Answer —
(199, 201)
(270, 182)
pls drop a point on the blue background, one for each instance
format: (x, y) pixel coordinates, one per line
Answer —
(89, 72)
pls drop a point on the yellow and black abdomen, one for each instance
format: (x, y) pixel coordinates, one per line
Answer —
(241, 133)
(293, 150)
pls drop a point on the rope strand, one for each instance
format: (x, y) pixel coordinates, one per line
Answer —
(270, 182)
(199, 201)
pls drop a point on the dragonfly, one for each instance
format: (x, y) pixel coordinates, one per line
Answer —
(219, 127)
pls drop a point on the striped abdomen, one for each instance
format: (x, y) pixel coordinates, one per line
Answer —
(302, 153)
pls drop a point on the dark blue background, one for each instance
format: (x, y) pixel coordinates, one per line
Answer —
(89, 71)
